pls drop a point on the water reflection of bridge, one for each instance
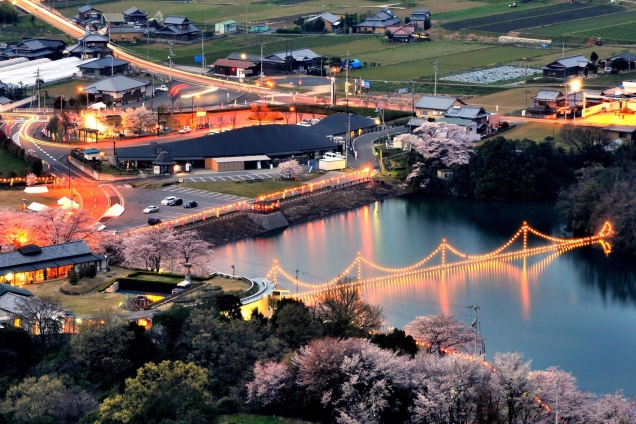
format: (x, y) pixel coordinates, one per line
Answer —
(450, 258)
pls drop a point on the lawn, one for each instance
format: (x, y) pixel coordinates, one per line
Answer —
(536, 131)
(9, 163)
(257, 419)
(251, 190)
(25, 29)
(13, 198)
(507, 101)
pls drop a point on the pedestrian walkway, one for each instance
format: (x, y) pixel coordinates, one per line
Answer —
(221, 178)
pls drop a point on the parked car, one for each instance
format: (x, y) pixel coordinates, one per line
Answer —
(314, 121)
(154, 221)
(304, 124)
(185, 130)
(203, 126)
(165, 201)
(151, 209)
(162, 88)
(175, 202)
(212, 132)
(191, 204)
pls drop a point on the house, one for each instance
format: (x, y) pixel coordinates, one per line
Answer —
(126, 33)
(301, 60)
(577, 65)
(486, 122)
(178, 28)
(445, 174)
(234, 68)
(135, 16)
(625, 132)
(332, 22)
(259, 27)
(163, 164)
(421, 19)
(546, 104)
(88, 16)
(630, 58)
(336, 125)
(33, 264)
(400, 33)
(92, 154)
(377, 23)
(252, 147)
(113, 20)
(225, 27)
(105, 66)
(33, 49)
(467, 124)
(118, 89)
(90, 46)
(435, 106)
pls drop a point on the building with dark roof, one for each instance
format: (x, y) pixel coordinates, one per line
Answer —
(487, 122)
(421, 19)
(88, 16)
(249, 146)
(126, 33)
(164, 163)
(178, 28)
(435, 106)
(232, 68)
(332, 22)
(90, 45)
(336, 125)
(34, 48)
(106, 66)
(630, 58)
(547, 104)
(34, 264)
(567, 67)
(302, 59)
(377, 23)
(135, 16)
(118, 89)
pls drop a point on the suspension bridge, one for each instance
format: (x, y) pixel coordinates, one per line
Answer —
(447, 257)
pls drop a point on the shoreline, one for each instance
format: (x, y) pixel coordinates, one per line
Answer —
(302, 210)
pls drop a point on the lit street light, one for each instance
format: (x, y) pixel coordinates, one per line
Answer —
(575, 85)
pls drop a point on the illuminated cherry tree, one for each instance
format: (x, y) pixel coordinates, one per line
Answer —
(290, 168)
(440, 332)
(138, 119)
(31, 179)
(573, 403)
(272, 382)
(613, 409)
(441, 143)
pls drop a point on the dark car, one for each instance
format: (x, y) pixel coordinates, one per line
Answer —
(154, 221)
(175, 202)
(191, 204)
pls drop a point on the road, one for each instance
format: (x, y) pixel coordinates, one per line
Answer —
(363, 145)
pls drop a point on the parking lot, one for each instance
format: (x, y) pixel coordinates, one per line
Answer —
(136, 199)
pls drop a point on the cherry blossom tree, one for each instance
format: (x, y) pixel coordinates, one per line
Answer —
(440, 332)
(612, 409)
(31, 179)
(510, 387)
(56, 226)
(138, 119)
(188, 247)
(440, 143)
(573, 403)
(15, 229)
(290, 168)
(272, 382)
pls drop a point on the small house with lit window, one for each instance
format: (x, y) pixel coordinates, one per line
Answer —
(33, 264)
(234, 68)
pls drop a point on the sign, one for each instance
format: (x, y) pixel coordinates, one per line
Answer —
(180, 180)
(403, 91)
(366, 84)
(200, 113)
(198, 58)
(156, 169)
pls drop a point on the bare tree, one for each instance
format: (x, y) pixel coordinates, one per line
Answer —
(300, 116)
(583, 140)
(262, 111)
(233, 120)
(219, 119)
(43, 316)
(343, 311)
(287, 114)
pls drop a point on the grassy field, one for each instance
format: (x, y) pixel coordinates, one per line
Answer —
(252, 190)
(9, 163)
(25, 29)
(536, 131)
(13, 198)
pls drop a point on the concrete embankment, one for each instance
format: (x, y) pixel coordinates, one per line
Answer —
(300, 210)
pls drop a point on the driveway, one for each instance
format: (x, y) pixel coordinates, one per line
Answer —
(363, 145)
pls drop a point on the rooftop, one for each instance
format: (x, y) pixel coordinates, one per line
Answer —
(435, 102)
(338, 123)
(115, 83)
(50, 256)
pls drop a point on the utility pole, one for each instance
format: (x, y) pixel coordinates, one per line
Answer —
(246, 21)
(147, 38)
(413, 97)
(37, 82)
(262, 45)
(202, 56)
(525, 85)
(436, 65)
(348, 137)
(170, 57)
(475, 325)
(296, 282)
(347, 80)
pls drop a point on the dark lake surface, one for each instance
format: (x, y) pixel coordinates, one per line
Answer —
(575, 310)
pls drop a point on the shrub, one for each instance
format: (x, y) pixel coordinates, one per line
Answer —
(72, 278)
(91, 272)
(227, 406)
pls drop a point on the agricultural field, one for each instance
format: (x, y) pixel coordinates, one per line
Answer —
(623, 33)
(591, 26)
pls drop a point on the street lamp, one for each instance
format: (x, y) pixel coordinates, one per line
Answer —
(575, 85)
(81, 91)
(293, 109)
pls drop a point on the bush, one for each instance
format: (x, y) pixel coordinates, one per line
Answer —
(295, 30)
(227, 406)
(91, 272)
(72, 278)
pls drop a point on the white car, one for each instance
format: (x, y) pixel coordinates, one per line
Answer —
(161, 88)
(151, 209)
(167, 200)
(314, 121)
(304, 124)
(185, 130)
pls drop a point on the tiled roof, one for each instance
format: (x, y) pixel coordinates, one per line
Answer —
(548, 95)
(132, 10)
(115, 83)
(173, 29)
(420, 14)
(114, 17)
(175, 20)
(299, 55)
(103, 63)
(457, 121)
(86, 8)
(8, 288)
(465, 112)
(435, 102)
(93, 38)
(337, 124)
(570, 62)
(631, 57)
(381, 19)
(12, 260)
(249, 56)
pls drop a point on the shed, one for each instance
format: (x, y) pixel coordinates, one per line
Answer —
(234, 163)
(91, 154)
(164, 163)
(225, 27)
(259, 27)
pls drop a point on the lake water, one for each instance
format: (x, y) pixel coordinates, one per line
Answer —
(575, 310)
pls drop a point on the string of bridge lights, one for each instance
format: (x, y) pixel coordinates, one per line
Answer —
(559, 245)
